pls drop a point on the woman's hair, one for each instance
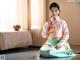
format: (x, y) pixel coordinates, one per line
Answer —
(54, 4)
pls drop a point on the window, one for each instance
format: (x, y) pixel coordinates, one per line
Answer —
(35, 14)
(7, 14)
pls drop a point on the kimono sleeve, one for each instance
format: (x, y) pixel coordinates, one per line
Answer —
(44, 30)
(65, 34)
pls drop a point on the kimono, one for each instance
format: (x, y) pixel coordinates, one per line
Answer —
(59, 37)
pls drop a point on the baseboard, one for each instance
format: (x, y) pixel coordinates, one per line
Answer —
(34, 46)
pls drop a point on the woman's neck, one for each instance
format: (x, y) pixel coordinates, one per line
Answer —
(53, 18)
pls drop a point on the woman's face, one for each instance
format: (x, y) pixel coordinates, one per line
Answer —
(54, 11)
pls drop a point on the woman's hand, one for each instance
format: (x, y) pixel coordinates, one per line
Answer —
(51, 29)
(58, 46)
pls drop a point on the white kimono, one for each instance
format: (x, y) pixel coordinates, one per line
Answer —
(62, 35)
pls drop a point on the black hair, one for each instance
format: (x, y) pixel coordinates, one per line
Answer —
(54, 4)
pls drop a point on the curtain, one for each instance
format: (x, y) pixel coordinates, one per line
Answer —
(38, 18)
(22, 13)
(31, 15)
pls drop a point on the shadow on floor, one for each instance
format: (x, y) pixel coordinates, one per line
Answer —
(21, 49)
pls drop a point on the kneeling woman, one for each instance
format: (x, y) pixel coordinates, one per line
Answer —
(57, 33)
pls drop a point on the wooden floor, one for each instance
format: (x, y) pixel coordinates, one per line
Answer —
(76, 48)
(32, 53)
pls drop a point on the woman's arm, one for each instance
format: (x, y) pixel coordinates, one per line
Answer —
(47, 29)
(65, 35)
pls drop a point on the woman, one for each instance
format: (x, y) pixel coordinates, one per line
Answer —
(57, 34)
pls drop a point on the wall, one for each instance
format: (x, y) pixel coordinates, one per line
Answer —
(70, 11)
